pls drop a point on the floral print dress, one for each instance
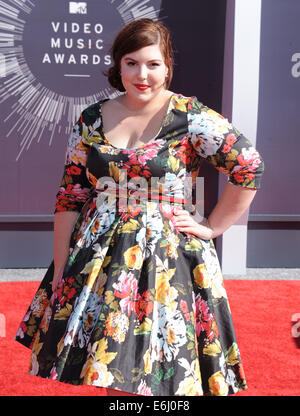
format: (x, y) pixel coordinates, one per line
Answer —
(141, 307)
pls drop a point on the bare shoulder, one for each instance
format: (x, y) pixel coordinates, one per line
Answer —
(111, 111)
(112, 103)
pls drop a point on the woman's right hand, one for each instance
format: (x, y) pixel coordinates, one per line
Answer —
(63, 227)
(56, 279)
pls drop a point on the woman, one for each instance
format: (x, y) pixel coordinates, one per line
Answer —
(134, 299)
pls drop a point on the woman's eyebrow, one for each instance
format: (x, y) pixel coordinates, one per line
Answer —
(151, 60)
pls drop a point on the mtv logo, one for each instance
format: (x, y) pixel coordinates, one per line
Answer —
(77, 7)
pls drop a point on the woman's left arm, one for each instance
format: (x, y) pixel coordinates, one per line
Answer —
(232, 204)
(219, 143)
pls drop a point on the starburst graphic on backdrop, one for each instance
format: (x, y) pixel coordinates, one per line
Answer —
(36, 110)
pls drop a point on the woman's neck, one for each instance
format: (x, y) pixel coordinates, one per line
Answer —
(136, 106)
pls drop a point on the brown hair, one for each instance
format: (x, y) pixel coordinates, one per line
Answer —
(136, 35)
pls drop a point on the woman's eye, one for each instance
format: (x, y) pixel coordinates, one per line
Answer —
(153, 64)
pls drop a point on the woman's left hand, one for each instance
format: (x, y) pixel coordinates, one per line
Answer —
(185, 222)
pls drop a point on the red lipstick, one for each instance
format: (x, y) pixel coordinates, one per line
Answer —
(141, 87)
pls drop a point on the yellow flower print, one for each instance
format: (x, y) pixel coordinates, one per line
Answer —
(106, 261)
(193, 245)
(201, 276)
(96, 276)
(164, 293)
(39, 303)
(129, 226)
(46, 319)
(191, 385)
(134, 257)
(101, 354)
(172, 243)
(180, 103)
(60, 345)
(34, 365)
(217, 384)
(114, 171)
(218, 289)
(213, 349)
(85, 130)
(116, 326)
(95, 370)
(173, 163)
(188, 387)
(100, 282)
(64, 313)
(223, 125)
(162, 287)
(108, 297)
(37, 345)
(171, 335)
(233, 355)
(93, 138)
(80, 154)
(92, 178)
(147, 362)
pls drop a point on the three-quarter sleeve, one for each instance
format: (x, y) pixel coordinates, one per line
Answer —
(75, 187)
(216, 140)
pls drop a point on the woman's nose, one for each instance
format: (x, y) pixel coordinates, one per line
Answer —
(142, 72)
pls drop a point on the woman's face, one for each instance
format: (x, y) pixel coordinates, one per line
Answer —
(143, 72)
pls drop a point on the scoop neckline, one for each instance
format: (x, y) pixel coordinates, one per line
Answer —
(142, 145)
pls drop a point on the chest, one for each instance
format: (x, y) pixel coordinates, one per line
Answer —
(131, 131)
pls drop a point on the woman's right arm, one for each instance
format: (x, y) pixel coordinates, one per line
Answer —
(63, 226)
(73, 192)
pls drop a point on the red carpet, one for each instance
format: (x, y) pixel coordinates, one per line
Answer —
(262, 312)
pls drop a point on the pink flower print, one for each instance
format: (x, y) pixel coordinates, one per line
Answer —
(53, 374)
(143, 389)
(126, 289)
(136, 156)
(249, 157)
(184, 308)
(202, 315)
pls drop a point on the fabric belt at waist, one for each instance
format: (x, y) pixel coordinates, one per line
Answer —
(119, 192)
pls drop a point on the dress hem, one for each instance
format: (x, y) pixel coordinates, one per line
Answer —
(242, 388)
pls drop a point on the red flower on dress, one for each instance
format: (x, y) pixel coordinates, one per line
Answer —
(65, 290)
(185, 151)
(144, 305)
(137, 170)
(230, 139)
(226, 148)
(184, 308)
(73, 170)
(204, 319)
(249, 157)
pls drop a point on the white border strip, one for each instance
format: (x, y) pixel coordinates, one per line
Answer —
(245, 94)
(246, 67)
